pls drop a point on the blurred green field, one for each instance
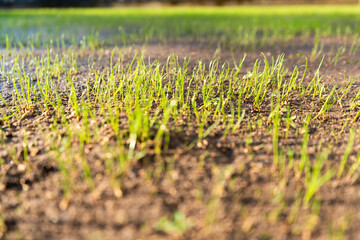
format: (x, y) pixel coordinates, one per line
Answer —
(227, 26)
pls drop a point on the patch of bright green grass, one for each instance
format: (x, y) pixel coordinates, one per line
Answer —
(228, 26)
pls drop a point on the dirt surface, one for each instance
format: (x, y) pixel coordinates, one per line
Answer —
(227, 186)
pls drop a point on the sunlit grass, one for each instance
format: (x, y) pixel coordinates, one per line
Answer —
(228, 26)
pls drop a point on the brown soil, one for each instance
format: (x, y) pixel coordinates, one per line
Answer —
(250, 202)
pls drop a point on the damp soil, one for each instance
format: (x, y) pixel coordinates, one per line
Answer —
(250, 202)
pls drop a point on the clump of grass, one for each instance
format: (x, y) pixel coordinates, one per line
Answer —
(347, 152)
(314, 180)
(179, 224)
(222, 176)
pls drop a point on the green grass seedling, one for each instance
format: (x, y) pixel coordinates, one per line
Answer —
(179, 224)
(162, 128)
(329, 102)
(304, 159)
(289, 120)
(315, 179)
(341, 50)
(276, 126)
(222, 176)
(346, 90)
(347, 152)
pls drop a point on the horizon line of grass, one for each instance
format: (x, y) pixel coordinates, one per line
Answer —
(230, 27)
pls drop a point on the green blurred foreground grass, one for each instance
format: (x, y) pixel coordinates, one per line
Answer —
(228, 26)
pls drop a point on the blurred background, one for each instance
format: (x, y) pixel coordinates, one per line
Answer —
(89, 3)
